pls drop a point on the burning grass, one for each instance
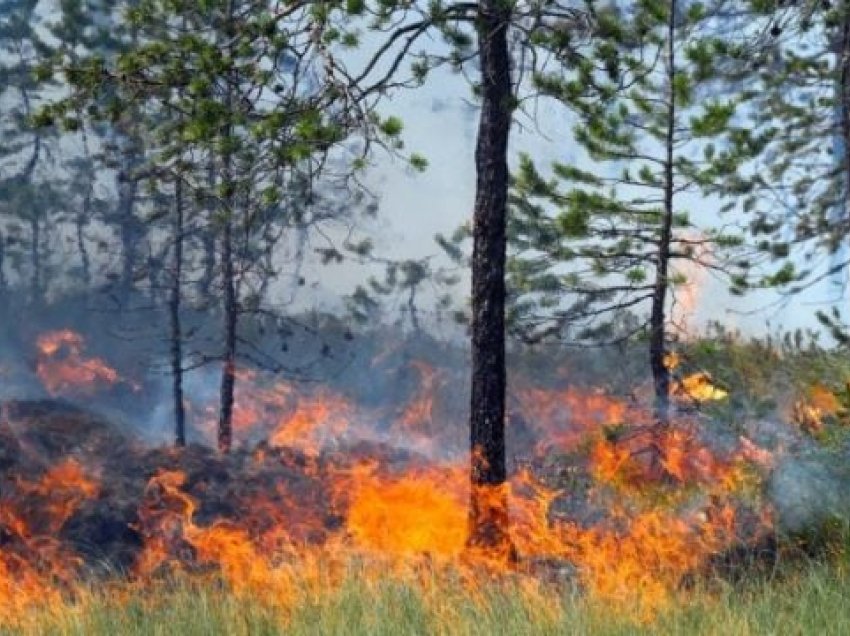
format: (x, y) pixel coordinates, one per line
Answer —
(276, 522)
(341, 514)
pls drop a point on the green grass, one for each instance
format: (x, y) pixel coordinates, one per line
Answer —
(813, 599)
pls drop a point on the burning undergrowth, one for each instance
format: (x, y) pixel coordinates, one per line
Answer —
(599, 497)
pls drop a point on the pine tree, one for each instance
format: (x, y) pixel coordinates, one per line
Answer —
(483, 31)
(113, 149)
(660, 130)
(799, 197)
(242, 90)
(27, 194)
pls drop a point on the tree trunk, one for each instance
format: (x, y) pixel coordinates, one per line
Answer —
(205, 283)
(131, 231)
(843, 55)
(85, 215)
(176, 326)
(488, 527)
(208, 244)
(412, 311)
(36, 280)
(658, 319)
(85, 261)
(228, 373)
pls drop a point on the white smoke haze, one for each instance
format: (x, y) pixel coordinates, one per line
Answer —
(360, 386)
(809, 492)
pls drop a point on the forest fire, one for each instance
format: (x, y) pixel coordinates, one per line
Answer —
(326, 487)
(817, 405)
(280, 352)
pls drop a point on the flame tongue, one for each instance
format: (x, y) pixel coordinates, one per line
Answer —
(414, 513)
(63, 368)
(34, 562)
(698, 386)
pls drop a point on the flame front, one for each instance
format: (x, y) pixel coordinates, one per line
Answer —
(329, 491)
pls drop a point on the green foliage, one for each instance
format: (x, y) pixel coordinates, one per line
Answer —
(586, 243)
(30, 195)
(799, 112)
(391, 126)
(403, 280)
(418, 162)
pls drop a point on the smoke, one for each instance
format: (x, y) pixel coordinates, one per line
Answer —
(406, 392)
(809, 491)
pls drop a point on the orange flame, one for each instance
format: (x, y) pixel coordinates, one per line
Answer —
(62, 367)
(563, 419)
(34, 563)
(410, 514)
(403, 515)
(697, 386)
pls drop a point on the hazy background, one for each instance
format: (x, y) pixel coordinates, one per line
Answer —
(440, 123)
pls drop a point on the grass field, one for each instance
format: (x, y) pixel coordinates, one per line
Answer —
(810, 599)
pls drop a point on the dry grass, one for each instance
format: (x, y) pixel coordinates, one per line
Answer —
(813, 599)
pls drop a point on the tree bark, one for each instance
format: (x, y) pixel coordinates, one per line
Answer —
(658, 318)
(176, 326)
(488, 526)
(228, 373)
(843, 55)
(208, 244)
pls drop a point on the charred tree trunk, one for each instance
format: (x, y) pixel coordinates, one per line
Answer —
(176, 326)
(658, 318)
(488, 502)
(228, 373)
